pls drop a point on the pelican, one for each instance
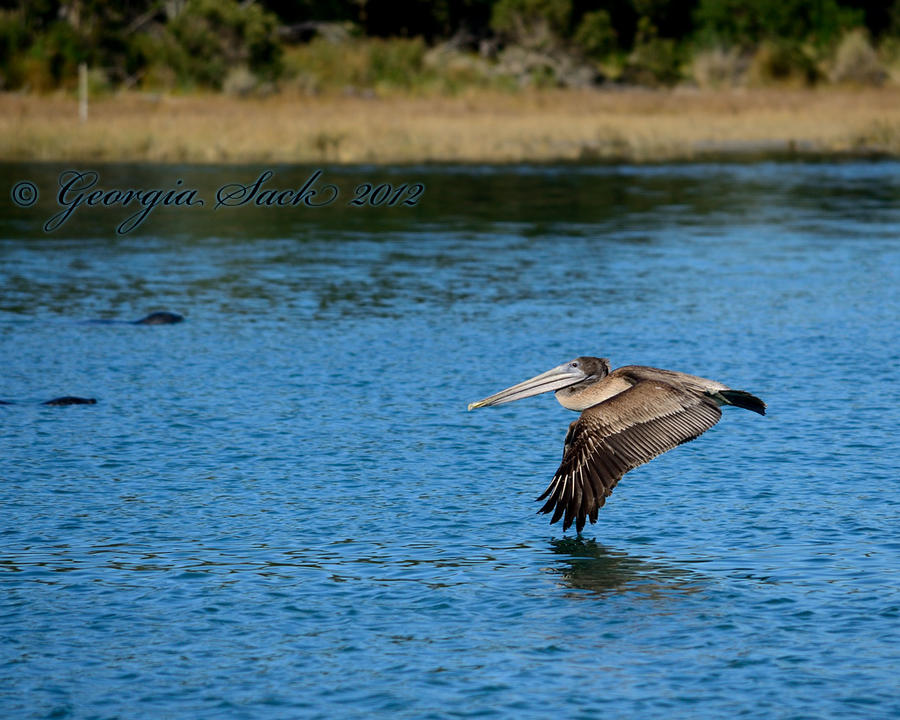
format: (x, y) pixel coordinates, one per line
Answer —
(628, 417)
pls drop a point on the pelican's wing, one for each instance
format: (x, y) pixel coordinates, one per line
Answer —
(618, 435)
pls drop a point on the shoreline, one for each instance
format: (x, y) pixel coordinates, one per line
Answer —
(550, 126)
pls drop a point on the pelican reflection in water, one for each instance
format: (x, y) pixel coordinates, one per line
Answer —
(628, 417)
(588, 565)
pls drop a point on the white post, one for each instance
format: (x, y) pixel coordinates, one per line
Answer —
(82, 92)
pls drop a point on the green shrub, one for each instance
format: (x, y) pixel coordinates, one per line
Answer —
(595, 35)
(13, 40)
(782, 63)
(889, 52)
(395, 63)
(654, 60)
(158, 77)
(210, 37)
(532, 23)
(746, 23)
(52, 61)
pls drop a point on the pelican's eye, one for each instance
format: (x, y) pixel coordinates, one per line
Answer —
(574, 364)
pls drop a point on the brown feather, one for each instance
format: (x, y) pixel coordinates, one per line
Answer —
(617, 435)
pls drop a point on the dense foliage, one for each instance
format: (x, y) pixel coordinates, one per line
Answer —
(244, 45)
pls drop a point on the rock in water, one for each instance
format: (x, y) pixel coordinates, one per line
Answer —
(160, 318)
(70, 400)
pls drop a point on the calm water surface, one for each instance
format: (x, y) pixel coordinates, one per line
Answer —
(281, 509)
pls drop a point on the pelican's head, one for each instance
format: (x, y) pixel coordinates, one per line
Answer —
(579, 370)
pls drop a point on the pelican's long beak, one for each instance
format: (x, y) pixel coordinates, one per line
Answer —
(559, 377)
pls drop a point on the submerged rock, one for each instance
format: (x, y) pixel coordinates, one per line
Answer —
(160, 318)
(70, 400)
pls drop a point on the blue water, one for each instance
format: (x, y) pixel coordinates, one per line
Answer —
(280, 508)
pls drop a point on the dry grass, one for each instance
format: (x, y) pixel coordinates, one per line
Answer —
(633, 125)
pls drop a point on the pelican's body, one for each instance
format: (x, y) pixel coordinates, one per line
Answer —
(628, 417)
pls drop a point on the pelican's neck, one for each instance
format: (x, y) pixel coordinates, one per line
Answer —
(581, 396)
(569, 398)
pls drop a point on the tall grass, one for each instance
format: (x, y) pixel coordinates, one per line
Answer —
(474, 126)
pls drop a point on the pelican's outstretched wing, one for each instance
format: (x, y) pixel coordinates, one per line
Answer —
(618, 435)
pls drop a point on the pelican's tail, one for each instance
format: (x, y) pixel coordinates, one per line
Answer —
(742, 399)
